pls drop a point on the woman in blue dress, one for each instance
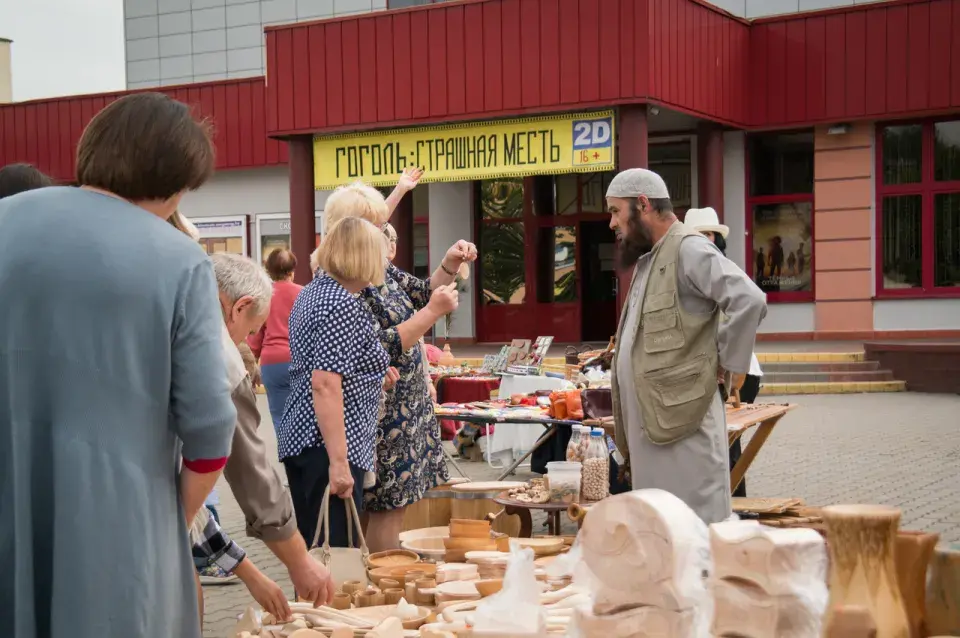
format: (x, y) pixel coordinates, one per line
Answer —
(409, 454)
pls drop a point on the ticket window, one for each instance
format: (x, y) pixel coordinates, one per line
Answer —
(273, 231)
(223, 234)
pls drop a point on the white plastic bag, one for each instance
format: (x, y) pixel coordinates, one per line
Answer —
(515, 610)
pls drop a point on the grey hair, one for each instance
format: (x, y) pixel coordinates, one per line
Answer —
(239, 276)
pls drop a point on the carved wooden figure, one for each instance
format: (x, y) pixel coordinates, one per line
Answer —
(914, 551)
(650, 622)
(745, 610)
(778, 561)
(943, 591)
(645, 547)
(863, 572)
(851, 622)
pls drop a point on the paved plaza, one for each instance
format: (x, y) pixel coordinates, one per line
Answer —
(899, 449)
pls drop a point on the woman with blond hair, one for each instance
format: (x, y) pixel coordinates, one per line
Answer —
(409, 454)
(327, 435)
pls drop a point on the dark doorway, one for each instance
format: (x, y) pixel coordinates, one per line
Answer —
(599, 298)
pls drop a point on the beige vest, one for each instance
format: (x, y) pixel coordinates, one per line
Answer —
(674, 356)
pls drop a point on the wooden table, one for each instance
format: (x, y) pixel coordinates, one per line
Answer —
(513, 507)
(763, 416)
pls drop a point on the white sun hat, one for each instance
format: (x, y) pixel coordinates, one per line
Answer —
(705, 220)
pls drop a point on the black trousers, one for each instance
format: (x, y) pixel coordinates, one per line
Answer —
(748, 394)
(309, 474)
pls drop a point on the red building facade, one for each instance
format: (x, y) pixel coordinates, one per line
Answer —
(847, 120)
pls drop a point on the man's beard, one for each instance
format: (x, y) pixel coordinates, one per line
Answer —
(636, 243)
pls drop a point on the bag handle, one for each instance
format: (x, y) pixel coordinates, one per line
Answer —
(353, 518)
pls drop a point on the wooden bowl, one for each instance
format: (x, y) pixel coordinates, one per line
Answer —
(470, 544)
(424, 532)
(380, 613)
(392, 558)
(429, 548)
(542, 545)
(400, 572)
(489, 587)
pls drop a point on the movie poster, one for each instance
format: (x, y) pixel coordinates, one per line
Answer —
(783, 247)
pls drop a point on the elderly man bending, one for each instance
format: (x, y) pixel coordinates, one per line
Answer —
(671, 347)
(245, 291)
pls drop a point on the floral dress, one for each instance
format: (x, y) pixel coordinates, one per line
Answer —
(409, 455)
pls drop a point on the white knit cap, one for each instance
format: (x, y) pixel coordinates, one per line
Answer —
(635, 182)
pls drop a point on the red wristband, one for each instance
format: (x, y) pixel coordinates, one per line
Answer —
(205, 466)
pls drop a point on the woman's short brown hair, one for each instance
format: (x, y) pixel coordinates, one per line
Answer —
(145, 146)
(354, 249)
(280, 263)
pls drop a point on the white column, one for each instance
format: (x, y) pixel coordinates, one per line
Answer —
(451, 218)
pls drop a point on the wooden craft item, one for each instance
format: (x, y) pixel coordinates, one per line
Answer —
(863, 570)
(778, 561)
(943, 591)
(431, 548)
(645, 547)
(913, 555)
(392, 558)
(489, 587)
(743, 505)
(402, 574)
(542, 546)
(351, 586)
(388, 583)
(392, 596)
(743, 609)
(640, 621)
(383, 612)
(460, 528)
(850, 622)
(410, 593)
(487, 486)
(426, 532)
(457, 571)
(342, 601)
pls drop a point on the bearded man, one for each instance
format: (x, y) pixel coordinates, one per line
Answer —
(671, 347)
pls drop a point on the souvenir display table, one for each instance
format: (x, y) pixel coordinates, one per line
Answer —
(483, 413)
(462, 389)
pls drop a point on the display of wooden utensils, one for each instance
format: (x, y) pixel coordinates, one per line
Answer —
(943, 591)
(862, 541)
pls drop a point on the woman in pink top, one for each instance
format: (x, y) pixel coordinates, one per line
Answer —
(271, 345)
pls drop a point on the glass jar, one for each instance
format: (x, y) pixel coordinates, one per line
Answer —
(595, 480)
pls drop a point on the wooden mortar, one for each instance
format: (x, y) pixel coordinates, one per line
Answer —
(863, 569)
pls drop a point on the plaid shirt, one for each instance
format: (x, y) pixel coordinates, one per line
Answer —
(218, 548)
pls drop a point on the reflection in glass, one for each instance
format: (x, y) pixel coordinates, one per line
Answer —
(783, 247)
(501, 198)
(568, 194)
(902, 244)
(946, 153)
(903, 154)
(232, 245)
(421, 255)
(672, 161)
(557, 264)
(502, 271)
(780, 163)
(946, 230)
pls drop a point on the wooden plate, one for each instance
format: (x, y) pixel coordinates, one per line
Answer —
(393, 558)
(487, 557)
(430, 548)
(487, 486)
(382, 612)
(399, 573)
(541, 546)
(425, 532)
(458, 589)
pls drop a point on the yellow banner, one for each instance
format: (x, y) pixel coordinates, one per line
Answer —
(578, 142)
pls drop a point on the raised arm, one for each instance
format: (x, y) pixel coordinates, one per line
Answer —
(706, 272)
(408, 181)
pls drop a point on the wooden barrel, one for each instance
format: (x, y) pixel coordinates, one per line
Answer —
(475, 501)
(434, 509)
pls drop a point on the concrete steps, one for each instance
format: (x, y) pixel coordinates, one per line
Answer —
(824, 373)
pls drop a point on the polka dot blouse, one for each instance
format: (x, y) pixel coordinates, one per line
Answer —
(331, 330)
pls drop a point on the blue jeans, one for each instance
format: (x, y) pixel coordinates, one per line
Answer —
(276, 380)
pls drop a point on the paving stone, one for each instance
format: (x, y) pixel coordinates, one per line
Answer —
(899, 449)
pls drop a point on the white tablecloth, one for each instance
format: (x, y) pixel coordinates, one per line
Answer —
(518, 438)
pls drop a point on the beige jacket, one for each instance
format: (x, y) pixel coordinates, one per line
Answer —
(254, 479)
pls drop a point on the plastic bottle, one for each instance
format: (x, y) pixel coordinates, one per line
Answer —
(573, 447)
(595, 481)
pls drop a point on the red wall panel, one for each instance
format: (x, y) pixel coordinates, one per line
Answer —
(45, 132)
(873, 61)
(460, 61)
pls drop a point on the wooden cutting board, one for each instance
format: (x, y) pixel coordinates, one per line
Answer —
(765, 505)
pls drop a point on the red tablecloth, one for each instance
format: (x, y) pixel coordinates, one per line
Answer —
(463, 390)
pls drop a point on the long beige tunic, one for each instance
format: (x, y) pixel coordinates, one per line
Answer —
(695, 469)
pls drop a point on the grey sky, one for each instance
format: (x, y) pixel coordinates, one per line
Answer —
(64, 47)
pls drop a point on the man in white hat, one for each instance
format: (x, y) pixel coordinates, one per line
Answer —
(670, 417)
